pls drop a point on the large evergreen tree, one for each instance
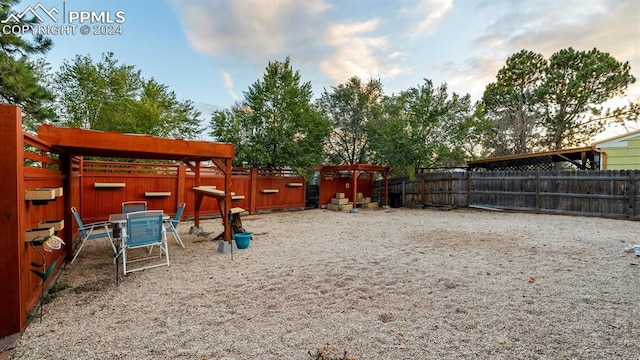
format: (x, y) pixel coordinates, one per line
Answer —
(576, 88)
(20, 77)
(539, 104)
(512, 104)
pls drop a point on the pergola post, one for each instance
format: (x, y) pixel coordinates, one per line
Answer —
(227, 200)
(196, 229)
(354, 184)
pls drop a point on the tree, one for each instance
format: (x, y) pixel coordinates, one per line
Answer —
(539, 104)
(108, 96)
(424, 126)
(576, 87)
(349, 108)
(276, 125)
(20, 78)
(511, 103)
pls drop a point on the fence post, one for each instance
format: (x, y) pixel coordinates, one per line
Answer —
(253, 190)
(468, 178)
(14, 275)
(537, 190)
(632, 194)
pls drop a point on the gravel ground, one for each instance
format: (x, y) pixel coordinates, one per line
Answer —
(382, 284)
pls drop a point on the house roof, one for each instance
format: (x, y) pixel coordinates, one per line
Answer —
(618, 140)
(112, 144)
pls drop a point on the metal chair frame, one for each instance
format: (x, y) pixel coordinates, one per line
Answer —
(144, 229)
(91, 231)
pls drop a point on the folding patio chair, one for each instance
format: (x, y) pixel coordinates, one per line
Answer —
(144, 229)
(133, 206)
(92, 231)
(172, 224)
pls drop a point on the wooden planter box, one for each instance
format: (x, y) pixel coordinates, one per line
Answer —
(33, 234)
(55, 224)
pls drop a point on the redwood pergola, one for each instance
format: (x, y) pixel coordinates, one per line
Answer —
(355, 170)
(83, 142)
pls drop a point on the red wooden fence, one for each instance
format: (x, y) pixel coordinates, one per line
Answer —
(105, 185)
(27, 163)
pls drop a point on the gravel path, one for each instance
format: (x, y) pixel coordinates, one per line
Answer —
(384, 284)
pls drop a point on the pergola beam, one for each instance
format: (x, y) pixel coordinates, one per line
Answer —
(83, 142)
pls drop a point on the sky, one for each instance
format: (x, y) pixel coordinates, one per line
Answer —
(211, 51)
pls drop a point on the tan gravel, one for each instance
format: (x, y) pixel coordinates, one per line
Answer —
(384, 284)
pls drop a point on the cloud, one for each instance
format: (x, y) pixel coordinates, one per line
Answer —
(435, 10)
(248, 29)
(228, 85)
(334, 38)
(472, 75)
(547, 26)
(356, 51)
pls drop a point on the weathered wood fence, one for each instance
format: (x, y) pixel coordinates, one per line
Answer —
(593, 193)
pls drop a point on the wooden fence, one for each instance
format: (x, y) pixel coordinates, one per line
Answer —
(609, 193)
(30, 168)
(105, 184)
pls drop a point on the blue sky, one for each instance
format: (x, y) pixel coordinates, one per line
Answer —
(210, 51)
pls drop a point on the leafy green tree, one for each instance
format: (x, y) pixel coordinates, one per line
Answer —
(20, 78)
(276, 125)
(511, 103)
(109, 96)
(349, 108)
(425, 126)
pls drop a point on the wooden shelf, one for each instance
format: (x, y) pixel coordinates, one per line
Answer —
(58, 190)
(55, 224)
(99, 185)
(32, 234)
(157, 193)
(208, 190)
(294, 184)
(40, 194)
(269, 191)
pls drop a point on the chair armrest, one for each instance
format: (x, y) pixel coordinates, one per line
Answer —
(97, 224)
(104, 225)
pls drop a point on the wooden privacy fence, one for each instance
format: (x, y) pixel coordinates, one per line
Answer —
(33, 195)
(105, 184)
(596, 193)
